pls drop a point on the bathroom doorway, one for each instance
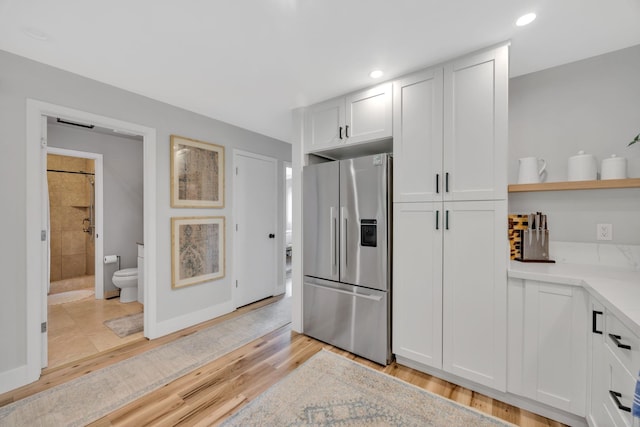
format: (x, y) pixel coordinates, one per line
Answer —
(84, 314)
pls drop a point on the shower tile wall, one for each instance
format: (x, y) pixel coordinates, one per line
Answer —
(72, 250)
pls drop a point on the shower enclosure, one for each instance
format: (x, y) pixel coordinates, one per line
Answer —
(71, 182)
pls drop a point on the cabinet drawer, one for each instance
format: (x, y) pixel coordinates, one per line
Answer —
(623, 343)
(619, 382)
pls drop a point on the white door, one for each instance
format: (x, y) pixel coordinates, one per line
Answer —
(368, 114)
(324, 125)
(256, 207)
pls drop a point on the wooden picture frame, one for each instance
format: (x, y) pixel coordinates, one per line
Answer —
(197, 174)
(197, 250)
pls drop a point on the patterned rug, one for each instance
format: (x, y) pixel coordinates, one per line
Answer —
(330, 390)
(126, 325)
(85, 399)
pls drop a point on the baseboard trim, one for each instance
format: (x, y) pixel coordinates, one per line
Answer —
(510, 398)
(178, 323)
(14, 378)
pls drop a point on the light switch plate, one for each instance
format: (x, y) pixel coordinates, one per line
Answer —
(604, 231)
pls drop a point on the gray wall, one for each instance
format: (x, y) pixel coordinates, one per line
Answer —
(123, 189)
(591, 105)
(20, 79)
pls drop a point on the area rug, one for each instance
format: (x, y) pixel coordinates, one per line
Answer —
(85, 399)
(69, 296)
(330, 390)
(126, 325)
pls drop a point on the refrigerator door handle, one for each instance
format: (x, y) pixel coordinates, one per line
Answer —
(340, 291)
(343, 240)
(334, 240)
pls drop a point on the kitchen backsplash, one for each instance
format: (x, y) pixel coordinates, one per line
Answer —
(610, 255)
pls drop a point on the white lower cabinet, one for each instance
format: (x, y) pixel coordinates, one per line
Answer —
(449, 288)
(548, 343)
(615, 352)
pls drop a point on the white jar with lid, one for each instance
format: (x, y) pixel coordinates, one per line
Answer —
(614, 168)
(582, 167)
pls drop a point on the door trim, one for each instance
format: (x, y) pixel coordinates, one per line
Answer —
(99, 211)
(35, 110)
(277, 226)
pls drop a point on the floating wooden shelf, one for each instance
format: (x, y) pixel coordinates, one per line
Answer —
(576, 185)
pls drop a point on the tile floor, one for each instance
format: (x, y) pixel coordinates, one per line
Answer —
(76, 329)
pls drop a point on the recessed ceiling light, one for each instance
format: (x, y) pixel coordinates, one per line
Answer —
(526, 19)
(376, 74)
(36, 34)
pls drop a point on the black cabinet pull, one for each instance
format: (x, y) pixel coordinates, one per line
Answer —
(616, 399)
(446, 182)
(346, 131)
(437, 183)
(437, 220)
(340, 132)
(616, 339)
(594, 327)
(446, 219)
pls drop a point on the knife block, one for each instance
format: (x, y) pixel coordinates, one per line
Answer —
(535, 246)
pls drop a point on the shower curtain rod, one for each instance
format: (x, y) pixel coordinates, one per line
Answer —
(80, 173)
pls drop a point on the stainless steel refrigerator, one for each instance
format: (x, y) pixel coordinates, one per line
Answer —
(347, 254)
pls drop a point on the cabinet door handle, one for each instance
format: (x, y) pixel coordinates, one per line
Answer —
(340, 132)
(594, 324)
(446, 219)
(437, 183)
(437, 220)
(616, 399)
(446, 182)
(616, 339)
(346, 131)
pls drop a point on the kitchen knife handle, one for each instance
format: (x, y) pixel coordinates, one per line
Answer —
(437, 220)
(446, 219)
(437, 183)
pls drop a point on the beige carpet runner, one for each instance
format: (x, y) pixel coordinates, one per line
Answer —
(85, 399)
(330, 390)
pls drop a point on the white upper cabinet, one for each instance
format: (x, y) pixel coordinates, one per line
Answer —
(450, 131)
(417, 137)
(476, 127)
(359, 117)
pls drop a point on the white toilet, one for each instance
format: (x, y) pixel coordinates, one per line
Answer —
(127, 280)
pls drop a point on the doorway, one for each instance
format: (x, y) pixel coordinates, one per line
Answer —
(288, 227)
(256, 241)
(37, 240)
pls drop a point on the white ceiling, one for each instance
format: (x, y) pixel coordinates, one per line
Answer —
(250, 62)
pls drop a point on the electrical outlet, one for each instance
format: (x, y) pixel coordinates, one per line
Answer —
(604, 231)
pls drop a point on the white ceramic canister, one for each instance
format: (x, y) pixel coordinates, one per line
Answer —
(582, 167)
(613, 168)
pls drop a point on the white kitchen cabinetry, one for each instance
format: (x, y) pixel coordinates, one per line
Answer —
(548, 343)
(358, 117)
(417, 282)
(449, 289)
(450, 130)
(615, 358)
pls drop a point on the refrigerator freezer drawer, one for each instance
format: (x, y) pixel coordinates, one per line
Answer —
(350, 317)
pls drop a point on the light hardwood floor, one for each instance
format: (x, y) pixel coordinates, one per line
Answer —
(211, 393)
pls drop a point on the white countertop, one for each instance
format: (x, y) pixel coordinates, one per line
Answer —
(617, 289)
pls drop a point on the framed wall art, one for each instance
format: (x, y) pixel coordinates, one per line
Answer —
(197, 250)
(197, 174)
